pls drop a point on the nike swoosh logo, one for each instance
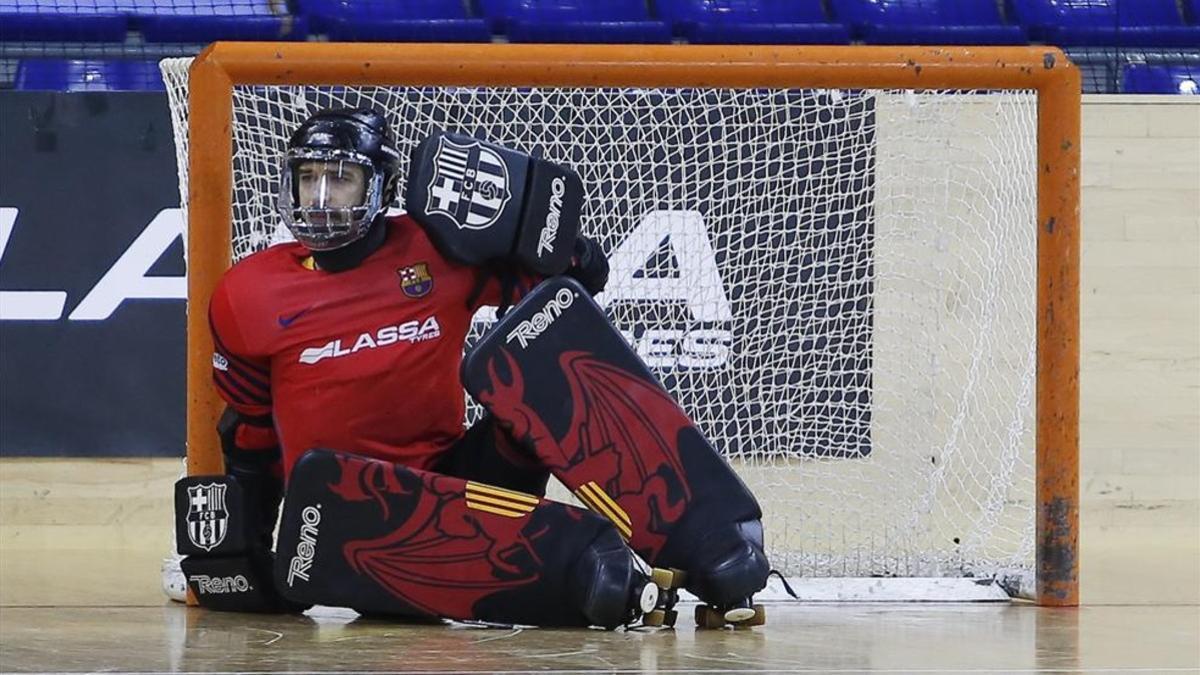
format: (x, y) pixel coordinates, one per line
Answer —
(286, 321)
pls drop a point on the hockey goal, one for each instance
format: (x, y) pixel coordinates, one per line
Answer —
(856, 267)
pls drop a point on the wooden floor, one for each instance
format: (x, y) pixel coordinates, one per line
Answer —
(868, 638)
(67, 609)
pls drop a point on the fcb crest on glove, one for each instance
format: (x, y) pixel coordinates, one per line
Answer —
(481, 202)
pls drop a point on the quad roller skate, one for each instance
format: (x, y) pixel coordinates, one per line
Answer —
(727, 568)
(742, 614)
(617, 588)
(665, 584)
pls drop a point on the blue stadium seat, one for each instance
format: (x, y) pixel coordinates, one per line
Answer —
(207, 20)
(929, 22)
(61, 20)
(1176, 79)
(194, 21)
(88, 75)
(392, 21)
(752, 21)
(202, 29)
(613, 21)
(1106, 23)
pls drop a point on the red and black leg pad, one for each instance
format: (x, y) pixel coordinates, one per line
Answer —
(226, 567)
(386, 539)
(565, 383)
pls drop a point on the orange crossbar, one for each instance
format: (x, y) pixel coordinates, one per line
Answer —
(1046, 70)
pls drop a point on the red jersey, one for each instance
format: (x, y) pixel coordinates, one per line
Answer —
(365, 360)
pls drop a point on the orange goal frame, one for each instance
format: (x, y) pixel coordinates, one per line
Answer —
(1045, 70)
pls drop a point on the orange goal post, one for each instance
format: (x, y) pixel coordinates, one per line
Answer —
(857, 268)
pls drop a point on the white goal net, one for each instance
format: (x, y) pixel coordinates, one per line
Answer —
(837, 285)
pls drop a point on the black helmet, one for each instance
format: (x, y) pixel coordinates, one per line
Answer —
(340, 172)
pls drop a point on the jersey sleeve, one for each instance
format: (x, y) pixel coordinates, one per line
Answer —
(242, 376)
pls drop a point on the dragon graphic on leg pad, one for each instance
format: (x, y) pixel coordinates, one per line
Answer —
(443, 555)
(623, 436)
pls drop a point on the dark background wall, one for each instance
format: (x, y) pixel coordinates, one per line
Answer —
(89, 208)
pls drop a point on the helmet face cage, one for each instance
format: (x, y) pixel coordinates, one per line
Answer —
(331, 214)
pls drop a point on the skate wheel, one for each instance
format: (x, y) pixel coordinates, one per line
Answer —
(757, 617)
(707, 617)
(739, 614)
(649, 598)
(654, 618)
(667, 578)
(681, 577)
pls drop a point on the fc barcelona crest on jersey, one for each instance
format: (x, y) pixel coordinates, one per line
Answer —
(415, 280)
(207, 518)
(469, 184)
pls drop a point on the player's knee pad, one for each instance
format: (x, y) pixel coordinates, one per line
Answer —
(481, 202)
(730, 563)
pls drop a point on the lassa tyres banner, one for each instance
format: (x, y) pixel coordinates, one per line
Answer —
(92, 282)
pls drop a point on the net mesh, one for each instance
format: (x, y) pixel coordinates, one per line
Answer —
(837, 285)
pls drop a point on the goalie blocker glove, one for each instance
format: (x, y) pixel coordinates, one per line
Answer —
(226, 566)
(482, 203)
